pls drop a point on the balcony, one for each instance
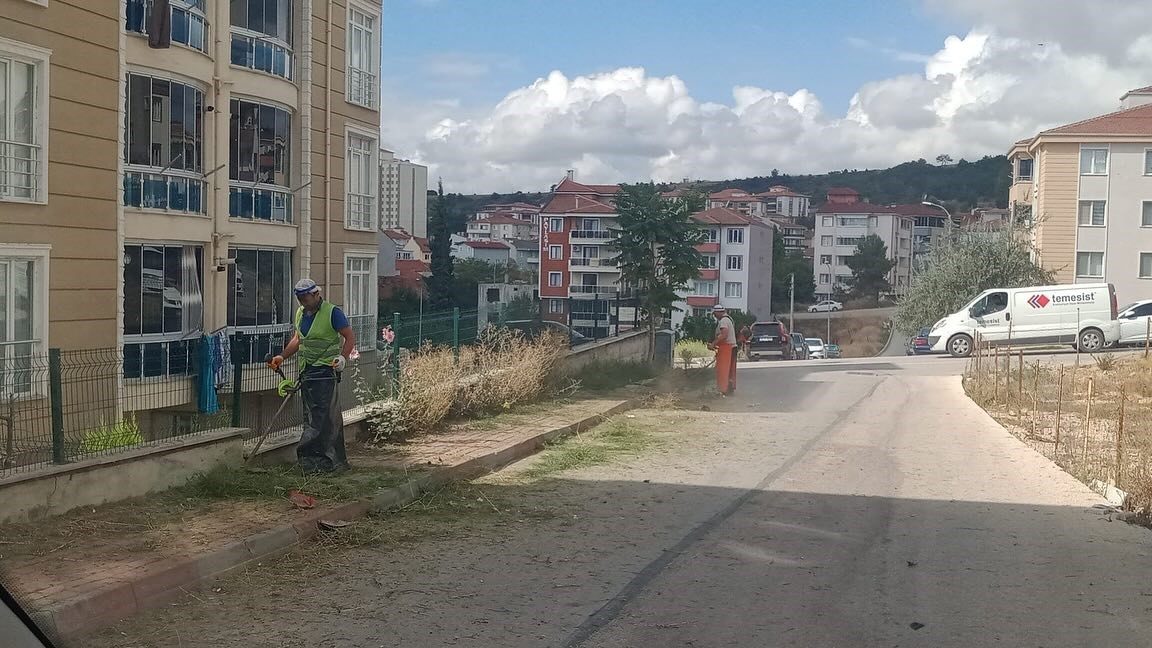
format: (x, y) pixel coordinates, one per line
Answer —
(607, 265)
(262, 53)
(590, 292)
(591, 236)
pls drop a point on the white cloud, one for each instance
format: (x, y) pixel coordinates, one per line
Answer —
(975, 96)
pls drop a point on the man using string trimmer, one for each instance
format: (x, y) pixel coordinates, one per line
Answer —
(325, 341)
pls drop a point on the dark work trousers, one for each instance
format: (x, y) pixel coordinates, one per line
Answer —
(321, 446)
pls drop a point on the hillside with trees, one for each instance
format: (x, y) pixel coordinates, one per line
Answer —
(961, 185)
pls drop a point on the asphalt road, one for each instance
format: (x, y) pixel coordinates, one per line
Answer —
(828, 503)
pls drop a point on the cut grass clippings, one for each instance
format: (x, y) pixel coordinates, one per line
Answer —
(618, 437)
(606, 376)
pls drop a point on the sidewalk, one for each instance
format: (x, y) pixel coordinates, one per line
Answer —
(99, 566)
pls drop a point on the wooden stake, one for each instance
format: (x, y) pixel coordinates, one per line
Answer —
(1120, 438)
(1059, 407)
(1020, 386)
(996, 375)
(1147, 335)
(1088, 419)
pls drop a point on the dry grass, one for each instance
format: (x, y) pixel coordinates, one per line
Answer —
(858, 337)
(1093, 418)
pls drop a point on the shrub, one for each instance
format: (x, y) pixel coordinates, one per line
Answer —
(689, 350)
(122, 434)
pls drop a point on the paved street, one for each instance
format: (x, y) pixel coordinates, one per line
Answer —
(850, 503)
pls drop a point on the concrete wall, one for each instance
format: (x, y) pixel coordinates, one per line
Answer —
(629, 347)
(117, 477)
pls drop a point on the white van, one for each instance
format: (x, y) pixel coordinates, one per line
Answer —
(1083, 315)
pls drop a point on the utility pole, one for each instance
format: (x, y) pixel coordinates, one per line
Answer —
(792, 301)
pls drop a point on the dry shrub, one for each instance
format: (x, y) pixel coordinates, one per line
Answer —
(505, 369)
(426, 393)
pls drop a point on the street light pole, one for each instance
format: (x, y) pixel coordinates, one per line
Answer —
(831, 288)
(792, 302)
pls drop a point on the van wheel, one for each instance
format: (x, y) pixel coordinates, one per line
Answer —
(1091, 340)
(960, 345)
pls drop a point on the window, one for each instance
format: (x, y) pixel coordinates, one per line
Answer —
(1091, 212)
(827, 221)
(853, 221)
(259, 162)
(709, 262)
(555, 224)
(1147, 161)
(555, 279)
(262, 36)
(990, 304)
(23, 122)
(1024, 169)
(261, 281)
(188, 26)
(555, 252)
(1146, 265)
(363, 54)
(706, 288)
(711, 235)
(825, 278)
(849, 240)
(363, 183)
(826, 241)
(734, 262)
(359, 298)
(164, 146)
(1093, 161)
(842, 259)
(1089, 264)
(22, 322)
(1146, 213)
(735, 235)
(733, 289)
(163, 308)
(555, 306)
(825, 259)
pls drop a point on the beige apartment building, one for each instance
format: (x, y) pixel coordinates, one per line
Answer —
(165, 179)
(1088, 187)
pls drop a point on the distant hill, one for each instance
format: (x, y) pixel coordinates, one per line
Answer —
(960, 186)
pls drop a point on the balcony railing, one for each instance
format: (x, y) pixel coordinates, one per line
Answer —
(593, 290)
(592, 235)
(261, 54)
(168, 191)
(189, 26)
(361, 208)
(250, 203)
(595, 263)
(19, 170)
(362, 87)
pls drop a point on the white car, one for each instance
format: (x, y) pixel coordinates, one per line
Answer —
(1134, 322)
(826, 305)
(815, 348)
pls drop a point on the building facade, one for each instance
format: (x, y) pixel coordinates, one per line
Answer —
(737, 268)
(781, 202)
(841, 226)
(168, 178)
(1087, 187)
(499, 227)
(403, 194)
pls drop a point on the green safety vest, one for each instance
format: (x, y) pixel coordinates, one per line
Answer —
(320, 346)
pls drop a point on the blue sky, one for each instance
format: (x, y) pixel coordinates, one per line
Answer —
(479, 50)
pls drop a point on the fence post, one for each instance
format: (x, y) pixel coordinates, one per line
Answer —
(1020, 386)
(1120, 437)
(1059, 408)
(1147, 335)
(996, 374)
(396, 353)
(456, 335)
(56, 393)
(237, 377)
(1088, 419)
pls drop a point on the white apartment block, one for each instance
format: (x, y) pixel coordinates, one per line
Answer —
(737, 269)
(502, 228)
(841, 227)
(403, 194)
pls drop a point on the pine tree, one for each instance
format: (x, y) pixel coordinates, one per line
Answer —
(441, 283)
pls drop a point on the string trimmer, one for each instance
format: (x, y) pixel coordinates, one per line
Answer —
(286, 390)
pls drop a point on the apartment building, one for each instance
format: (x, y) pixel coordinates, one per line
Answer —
(169, 176)
(740, 201)
(781, 202)
(841, 226)
(737, 268)
(578, 273)
(797, 238)
(518, 210)
(1088, 188)
(499, 227)
(403, 194)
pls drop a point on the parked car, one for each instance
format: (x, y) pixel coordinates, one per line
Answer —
(825, 305)
(831, 351)
(799, 348)
(1083, 315)
(918, 344)
(769, 340)
(815, 348)
(1134, 322)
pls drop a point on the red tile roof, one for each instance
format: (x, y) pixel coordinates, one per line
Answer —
(411, 267)
(501, 219)
(723, 216)
(731, 194)
(699, 302)
(1132, 121)
(575, 204)
(397, 234)
(511, 206)
(870, 208)
(486, 245)
(423, 243)
(605, 189)
(780, 190)
(842, 191)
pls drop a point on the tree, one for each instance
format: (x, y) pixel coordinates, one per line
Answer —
(522, 307)
(703, 327)
(469, 273)
(441, 285)
(656, 242)
(784, 265)
(870, 267)
(960, 267)
(775, 173)
(943, 158)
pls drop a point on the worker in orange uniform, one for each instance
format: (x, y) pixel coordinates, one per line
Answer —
(724, 344)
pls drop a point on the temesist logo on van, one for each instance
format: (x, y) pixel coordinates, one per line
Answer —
(1038, 301)
(1041, 300)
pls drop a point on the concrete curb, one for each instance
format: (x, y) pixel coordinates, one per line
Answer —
(158, 587)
